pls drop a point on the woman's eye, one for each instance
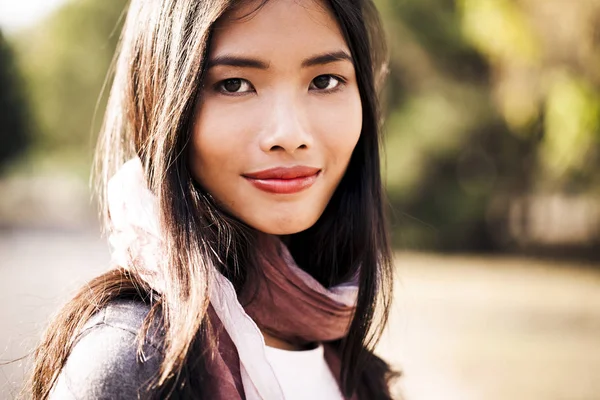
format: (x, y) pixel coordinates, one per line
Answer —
(235, 86)
(325, 82)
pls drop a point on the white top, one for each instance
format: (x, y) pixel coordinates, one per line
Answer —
(303, 374)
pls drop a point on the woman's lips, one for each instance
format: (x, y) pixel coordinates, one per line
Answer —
(284, 180)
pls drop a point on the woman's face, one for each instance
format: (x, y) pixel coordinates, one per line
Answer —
(279, 115)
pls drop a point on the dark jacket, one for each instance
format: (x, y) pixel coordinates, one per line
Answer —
(104, 363)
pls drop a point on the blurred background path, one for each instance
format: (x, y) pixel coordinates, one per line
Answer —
(462, 327)
(487, 328)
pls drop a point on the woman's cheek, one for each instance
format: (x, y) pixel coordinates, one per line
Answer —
(339, 124)
(224, 129)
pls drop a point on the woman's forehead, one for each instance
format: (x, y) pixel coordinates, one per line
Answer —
(298, 28)
(246, 9)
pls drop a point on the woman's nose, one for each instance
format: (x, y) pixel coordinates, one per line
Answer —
(287, 130)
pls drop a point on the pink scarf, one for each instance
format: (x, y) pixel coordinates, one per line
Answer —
(289, 303)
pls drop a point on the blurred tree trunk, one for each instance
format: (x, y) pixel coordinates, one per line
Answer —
(14, 134)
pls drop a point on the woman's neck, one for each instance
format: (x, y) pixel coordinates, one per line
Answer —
(277, 343)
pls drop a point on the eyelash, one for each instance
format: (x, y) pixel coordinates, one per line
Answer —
(219, 86)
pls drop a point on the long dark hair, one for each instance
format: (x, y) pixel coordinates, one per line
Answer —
(157, 76)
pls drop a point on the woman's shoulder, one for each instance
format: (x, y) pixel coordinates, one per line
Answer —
(127, 315)
(104, 362)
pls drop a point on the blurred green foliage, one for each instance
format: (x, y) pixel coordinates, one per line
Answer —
(488, 101)
(65, 61)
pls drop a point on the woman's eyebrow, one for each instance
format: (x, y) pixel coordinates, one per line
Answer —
(326, 58)
(246, 62)
(235, 61)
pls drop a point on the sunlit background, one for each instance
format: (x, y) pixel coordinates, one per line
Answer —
(493, 177)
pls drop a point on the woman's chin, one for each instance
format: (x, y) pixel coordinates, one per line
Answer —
(283, 226)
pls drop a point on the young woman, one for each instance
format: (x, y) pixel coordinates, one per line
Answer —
(239, 172)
